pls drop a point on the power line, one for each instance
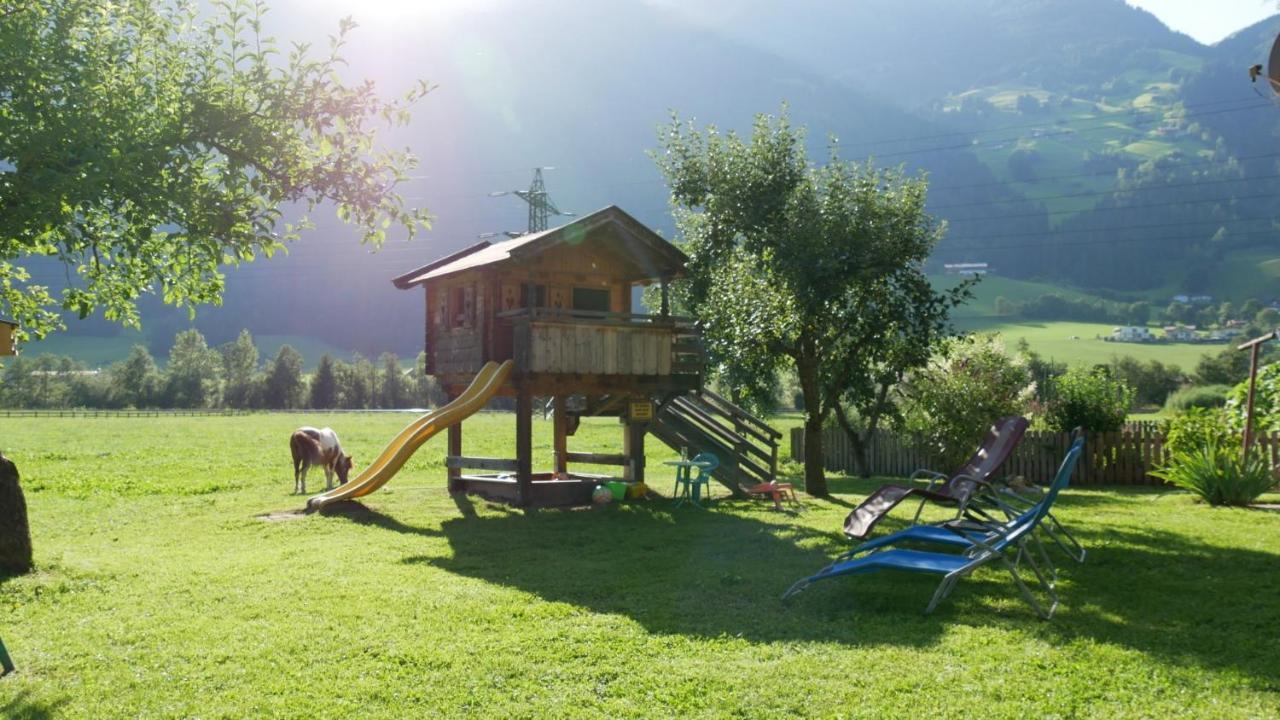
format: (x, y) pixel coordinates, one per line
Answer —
(1229, 161)
(970, 145)
(1149, 188)
(991, 218)
(966, 133)
(1102, 241)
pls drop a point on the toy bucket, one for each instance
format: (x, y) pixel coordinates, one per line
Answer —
(619, 489)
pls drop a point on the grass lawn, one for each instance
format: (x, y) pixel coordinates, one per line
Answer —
(1053, 340)
(160, 594)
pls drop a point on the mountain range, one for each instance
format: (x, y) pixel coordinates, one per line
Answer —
(1074, 141)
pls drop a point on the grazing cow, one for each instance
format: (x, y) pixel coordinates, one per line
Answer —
(308, 451)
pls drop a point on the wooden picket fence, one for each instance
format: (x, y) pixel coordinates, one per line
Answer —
(1125, 457)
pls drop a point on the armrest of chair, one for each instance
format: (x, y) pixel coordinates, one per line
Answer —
(929, 477)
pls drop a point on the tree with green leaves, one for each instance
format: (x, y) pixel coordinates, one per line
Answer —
(240, 368)
(894, 327)
(193, 375)
(785, 257)
(324, 385)
(137, 380)
(393, 390)
(1268, 319)
(147, 147)
(357, 383)
(284, 387)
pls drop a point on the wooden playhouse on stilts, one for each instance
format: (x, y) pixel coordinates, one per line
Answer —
(559, 305)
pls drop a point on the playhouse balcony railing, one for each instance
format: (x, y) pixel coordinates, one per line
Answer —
(545, 340)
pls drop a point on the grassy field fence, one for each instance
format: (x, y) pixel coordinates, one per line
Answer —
(1126, 457)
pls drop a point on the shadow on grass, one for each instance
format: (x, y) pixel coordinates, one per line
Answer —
(361, 514)
(1171, 596)
(23, 707)
(721, 572)
(689, 572)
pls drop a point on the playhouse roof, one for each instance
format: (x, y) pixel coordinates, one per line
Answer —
(651, 256)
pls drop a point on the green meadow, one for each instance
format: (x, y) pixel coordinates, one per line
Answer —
(1079, 343)
(162, 592)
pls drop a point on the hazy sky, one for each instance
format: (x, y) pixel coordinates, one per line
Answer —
(1208, 20)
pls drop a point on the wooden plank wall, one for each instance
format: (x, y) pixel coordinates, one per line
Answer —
(599, 349)
(1125, 457)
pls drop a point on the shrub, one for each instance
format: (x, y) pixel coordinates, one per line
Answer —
(1088, 398)
(1152, 381)
(1195, 428)
(1206, 396)
(1266, 400)
(965, 388)
(1219, 473)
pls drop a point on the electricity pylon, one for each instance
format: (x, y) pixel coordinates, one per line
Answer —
(540, 205)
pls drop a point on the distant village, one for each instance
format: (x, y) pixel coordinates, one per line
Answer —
(1179, 333)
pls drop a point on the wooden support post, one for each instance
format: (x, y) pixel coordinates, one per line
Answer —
(561, 431)
(524, 446)
(454, 436)
(1252, 347)
(1248, 408)
(633, 447)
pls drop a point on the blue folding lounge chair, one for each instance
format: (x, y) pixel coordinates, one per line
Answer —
(980, 548)
(979, 525)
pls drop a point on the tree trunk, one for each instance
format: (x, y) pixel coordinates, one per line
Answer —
(15, 533)
(860, 439)
(815, 482)
(857, 442)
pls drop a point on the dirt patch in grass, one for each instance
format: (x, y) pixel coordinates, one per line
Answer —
(282, 515)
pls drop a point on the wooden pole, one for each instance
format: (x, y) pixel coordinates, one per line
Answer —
(1252, 347)
(524, 446)
(561, 433)
(633, 447)
(1248, 405)
(454, 436)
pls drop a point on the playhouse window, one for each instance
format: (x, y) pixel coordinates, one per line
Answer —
(539, 296)
(593, 299)
(461, 306)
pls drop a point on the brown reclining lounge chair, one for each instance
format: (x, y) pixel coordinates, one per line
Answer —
(955, 490)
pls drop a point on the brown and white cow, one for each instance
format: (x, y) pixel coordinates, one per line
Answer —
(308, 449)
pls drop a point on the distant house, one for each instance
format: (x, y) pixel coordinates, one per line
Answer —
(967, 268)
(8, 343)
(1180, 333)
(1226, 334)
(1131, 333)
(1184, 299)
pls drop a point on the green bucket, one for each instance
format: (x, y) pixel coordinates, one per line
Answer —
(619, 489)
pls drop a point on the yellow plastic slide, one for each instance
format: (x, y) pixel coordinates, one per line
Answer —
(398, 451)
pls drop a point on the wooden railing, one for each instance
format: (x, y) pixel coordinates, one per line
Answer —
(548, 340)
(1126, 457)
(706, 422)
